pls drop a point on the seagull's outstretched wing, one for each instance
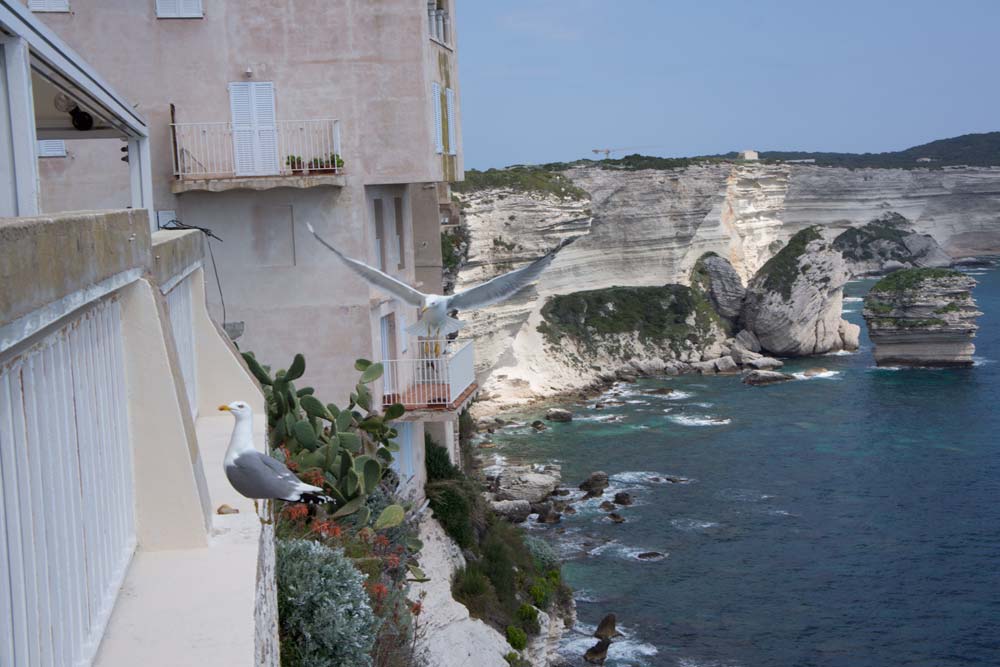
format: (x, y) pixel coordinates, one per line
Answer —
(375, 277)
(502, 287)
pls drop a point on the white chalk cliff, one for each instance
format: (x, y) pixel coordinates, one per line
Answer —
(649, 227)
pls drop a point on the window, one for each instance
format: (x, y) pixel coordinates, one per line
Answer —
(51, 148)
(439, 21)
(179, 9)
(438, 129)
(452, 127)
(48, 5)
(400, 233)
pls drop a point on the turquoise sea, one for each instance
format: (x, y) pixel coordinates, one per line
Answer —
(849, 519)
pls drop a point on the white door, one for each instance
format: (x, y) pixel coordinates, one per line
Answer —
(255, 134)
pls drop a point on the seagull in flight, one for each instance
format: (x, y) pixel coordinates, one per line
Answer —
(256, 475)
(435, 320)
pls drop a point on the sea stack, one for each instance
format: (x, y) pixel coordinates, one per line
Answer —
(922, 317)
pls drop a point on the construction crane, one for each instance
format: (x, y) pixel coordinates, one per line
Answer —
(608, 151)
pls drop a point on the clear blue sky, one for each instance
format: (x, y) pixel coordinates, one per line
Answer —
(547, 80)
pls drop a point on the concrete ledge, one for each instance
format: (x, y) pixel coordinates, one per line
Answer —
(174, 251)
(46, 258)
(256, 183)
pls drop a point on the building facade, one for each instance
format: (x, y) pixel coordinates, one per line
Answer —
(264, 116)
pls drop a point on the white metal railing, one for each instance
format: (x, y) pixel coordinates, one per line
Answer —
(291, 148)
(67, 528)
(179, 308)
(436, 378)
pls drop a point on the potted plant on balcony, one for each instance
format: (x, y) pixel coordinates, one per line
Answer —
(294, 162)
(326, 165)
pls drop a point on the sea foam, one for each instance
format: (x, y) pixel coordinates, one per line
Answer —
(690, 420)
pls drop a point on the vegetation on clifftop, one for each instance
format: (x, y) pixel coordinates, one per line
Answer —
(780, 272)
(905, 279)
(521, 179)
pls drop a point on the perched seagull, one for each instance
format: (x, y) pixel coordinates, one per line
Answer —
(434, 319)
(259, 476)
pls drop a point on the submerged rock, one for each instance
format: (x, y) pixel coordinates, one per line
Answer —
(922, 317)
(765, 377)
(607, 506)
(616, 517)
(559, 415)
(794, 303)
(888, 243)
(623, 498)
(538, 425)
(649, 555)
(595, 484)
(813, 372)
(661, 391)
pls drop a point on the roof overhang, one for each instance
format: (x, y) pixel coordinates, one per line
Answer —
(62, 68)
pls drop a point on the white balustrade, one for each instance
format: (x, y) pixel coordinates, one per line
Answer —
(179, 308)
(207, 150)
(67, 527)
(439, 375)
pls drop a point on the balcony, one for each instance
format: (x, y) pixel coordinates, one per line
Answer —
(292, 153)
(440, 378)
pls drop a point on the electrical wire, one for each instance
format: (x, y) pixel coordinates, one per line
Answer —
(174, 223)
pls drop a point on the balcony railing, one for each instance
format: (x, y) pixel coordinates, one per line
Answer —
(290, 148)
(438, 23)
(441, 377)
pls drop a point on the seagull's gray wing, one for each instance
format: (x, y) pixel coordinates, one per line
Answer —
(502, 287)
(256, 475)
(375, 277)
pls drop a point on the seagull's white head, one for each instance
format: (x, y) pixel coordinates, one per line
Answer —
(239, 409)
(435, 307)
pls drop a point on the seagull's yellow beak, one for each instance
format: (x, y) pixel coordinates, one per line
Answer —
(224, 408)
(423, 310)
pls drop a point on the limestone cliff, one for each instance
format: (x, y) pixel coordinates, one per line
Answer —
(922, 317)
(649, 227)
(793, 304)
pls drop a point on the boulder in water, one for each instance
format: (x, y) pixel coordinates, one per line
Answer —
(595, 484)
(813, 372)
(616, 517)
(559, 415)
(607, 506)
(598, 653)
(623, 498)
(650, 555)
(607, 629)
(538, 425)
(514, 511)
(758, 378)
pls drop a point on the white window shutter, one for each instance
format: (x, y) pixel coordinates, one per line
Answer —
(438, 130)
(191, 8)
(52, 148)
(168, 8)
(48, 5)
(452, 134)
(242, 128)
(266, 128)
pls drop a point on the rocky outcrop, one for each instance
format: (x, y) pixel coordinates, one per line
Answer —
(595, 484)
(888, 243)
(794, 303)
(559, 415)
(720, 283)
(922, 317)
(528, 483)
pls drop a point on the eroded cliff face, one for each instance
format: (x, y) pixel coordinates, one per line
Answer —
(649, 227)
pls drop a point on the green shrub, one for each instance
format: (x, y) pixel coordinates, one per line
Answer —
(515, 660)
(527, 616)
(325, 618)
(473, 588)
(437, 462)
(542, 553)
(517, 637)
(780, 272)
(905, 279)
(455, 506)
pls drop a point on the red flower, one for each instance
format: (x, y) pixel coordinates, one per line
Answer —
(379, 591)
(381, 541)
(296, 512)
(416, 608)
(393, 562)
